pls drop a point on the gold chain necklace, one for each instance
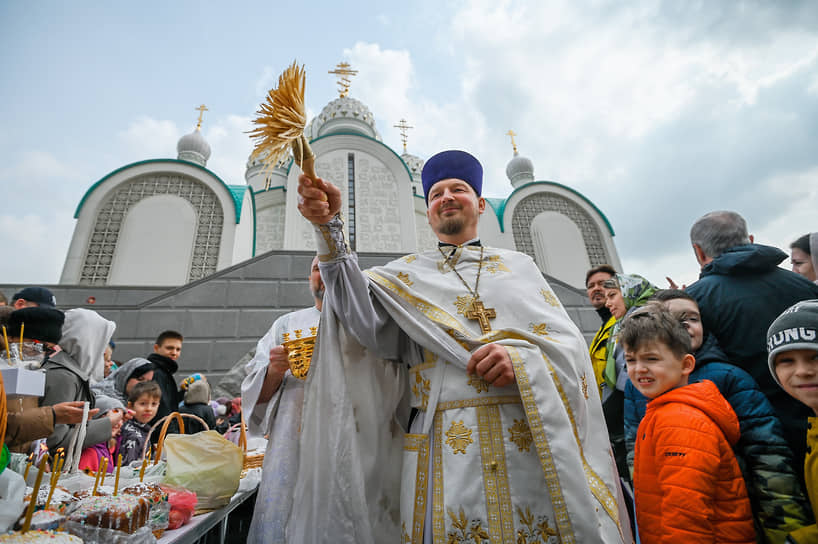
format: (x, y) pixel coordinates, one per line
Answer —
(476, 309)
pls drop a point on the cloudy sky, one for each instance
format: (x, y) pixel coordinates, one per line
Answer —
(656, 111)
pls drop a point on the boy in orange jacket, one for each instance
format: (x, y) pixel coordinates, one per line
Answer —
(687, 482)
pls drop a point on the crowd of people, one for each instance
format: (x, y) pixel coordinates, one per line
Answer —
(723, 458)
(74, 349)
(450, 397)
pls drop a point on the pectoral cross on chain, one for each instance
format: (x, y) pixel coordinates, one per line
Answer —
(481, 314)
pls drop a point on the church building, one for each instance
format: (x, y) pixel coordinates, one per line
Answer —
(168, 222)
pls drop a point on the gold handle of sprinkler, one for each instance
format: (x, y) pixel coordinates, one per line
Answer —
(304, 157)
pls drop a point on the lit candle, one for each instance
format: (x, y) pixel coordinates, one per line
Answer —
(118, 466)
(6, 341)
(30, 457)
(33, 503)
(96, 483)
(55, 477)
(103, 468)
(22, 328)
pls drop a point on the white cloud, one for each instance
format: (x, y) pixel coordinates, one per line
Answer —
(34, 246)
(231, 146)
(266, 81)
(149, 138)
(386, 86)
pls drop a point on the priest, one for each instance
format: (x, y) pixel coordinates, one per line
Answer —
(450, 397)
(271, 399)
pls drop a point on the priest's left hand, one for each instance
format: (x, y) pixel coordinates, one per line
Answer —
(492, 363)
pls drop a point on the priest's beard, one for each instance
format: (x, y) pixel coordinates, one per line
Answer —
(451, 226)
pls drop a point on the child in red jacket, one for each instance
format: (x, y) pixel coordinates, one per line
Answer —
(687, 482)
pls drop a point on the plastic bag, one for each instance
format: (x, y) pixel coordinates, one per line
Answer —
(12, 490)
(99, 535)
(205, 463)
(182, 505)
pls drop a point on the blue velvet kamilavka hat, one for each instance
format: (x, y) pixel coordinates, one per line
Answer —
(452, 164)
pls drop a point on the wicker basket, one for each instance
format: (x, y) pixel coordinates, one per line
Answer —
(252, 459)
(165, 421)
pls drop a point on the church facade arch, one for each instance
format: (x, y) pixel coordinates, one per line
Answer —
(531, 233)
(105, 207)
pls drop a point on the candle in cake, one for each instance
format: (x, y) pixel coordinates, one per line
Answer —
(6, 341)
(103, 468)
(28, 464)
(118, 466)
(96, 483)
(55, 477)
(35, 491)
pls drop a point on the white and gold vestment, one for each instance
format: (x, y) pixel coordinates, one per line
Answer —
(279, 419)
(525, 463)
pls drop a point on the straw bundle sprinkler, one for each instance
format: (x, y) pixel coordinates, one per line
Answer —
(280, 124)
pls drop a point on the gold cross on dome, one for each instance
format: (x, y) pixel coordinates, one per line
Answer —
(512, 134)
(344, 72)
(481, 314)
(201, 109)
(404, 131)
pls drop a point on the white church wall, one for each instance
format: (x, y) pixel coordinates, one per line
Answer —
(489, 229)
(331, 166)
(426, 238)
(559, 248)
(243, 244)
(270, 226)
(155, 243)
(377, 214)
(384, 220)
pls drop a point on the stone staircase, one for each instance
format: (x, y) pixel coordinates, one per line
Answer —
(223, 315)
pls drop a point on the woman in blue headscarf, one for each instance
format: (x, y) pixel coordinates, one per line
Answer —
(623, 293)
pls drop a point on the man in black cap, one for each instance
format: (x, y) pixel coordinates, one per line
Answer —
(27, 421)
(507, 428)
(34, 296)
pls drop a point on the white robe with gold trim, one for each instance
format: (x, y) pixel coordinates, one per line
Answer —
(279, 419)
(526, 463)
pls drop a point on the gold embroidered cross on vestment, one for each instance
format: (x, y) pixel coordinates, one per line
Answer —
(476, 311)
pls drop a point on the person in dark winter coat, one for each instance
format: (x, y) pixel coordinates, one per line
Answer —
(740, 292)
(166, 351)
(197, 402)
(777, 497)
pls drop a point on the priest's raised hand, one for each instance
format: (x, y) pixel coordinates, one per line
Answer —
(318, 200)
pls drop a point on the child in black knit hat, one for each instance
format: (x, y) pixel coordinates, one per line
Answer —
(792, 344)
